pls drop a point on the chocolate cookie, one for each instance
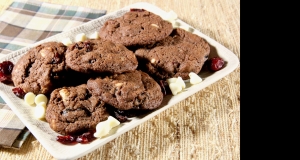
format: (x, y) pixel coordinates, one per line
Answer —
(137, 27)
(40, 70)
(176, 56)
(97, 55)
(130, 90)
(73, 110)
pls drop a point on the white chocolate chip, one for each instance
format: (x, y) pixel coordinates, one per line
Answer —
(175, 24)
(180, 82)
(194, 78)
(42, 104)
(39, 111)
(64, 93)
(112, 122)
(191, 29)
(103, 128)
(40, 98)
(29, 98)
(175, 88)
(118, 84)
(153, 60)
(171, 15)
(44, 51)
(66, 41)
(171, 80)
(155, 25)
(176, 85)
(95, 35)
(80, 37)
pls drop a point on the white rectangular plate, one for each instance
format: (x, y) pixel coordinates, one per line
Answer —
(46, 136)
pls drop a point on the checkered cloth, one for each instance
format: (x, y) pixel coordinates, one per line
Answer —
(26, 22)
(12, 131)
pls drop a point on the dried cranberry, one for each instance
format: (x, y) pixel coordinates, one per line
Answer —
(4, 78)
(82, 139)
(56, 59)
(120, 117)
(19, 92)
(6, 67)
(86, 137)
(73, 139)
(88, 46)
(68, 139)
(215, 63)
(77, 46)
(81, 45)
(165, 87)
(124, 115)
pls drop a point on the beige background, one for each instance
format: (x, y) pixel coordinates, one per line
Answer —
(204, 126)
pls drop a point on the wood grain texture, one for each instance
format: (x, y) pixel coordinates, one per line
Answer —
(204, 126)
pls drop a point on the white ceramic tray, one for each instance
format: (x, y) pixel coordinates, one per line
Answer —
(46, 136)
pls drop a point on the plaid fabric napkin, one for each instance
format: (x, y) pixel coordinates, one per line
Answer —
(12, 131)
(26, 22)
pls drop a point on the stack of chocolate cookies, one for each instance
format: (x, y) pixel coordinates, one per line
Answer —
(119, 71)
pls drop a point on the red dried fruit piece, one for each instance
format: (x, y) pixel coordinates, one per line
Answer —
(6, 67)
(5, 71)
(82, 139)
(73, 139)
(215, 63)
(163, 88)
(19, 92)
(66, 139)
(4, 78)
(88, 46)
(120, 117)
(86, 137)
(56, 59)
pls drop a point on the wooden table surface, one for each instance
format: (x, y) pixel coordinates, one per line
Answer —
(204, 126)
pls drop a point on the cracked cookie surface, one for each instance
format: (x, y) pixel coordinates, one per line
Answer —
(175, 56)
(73, 110)
(136, 28)
(41, 69)
(130, 90)
(100, 56)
